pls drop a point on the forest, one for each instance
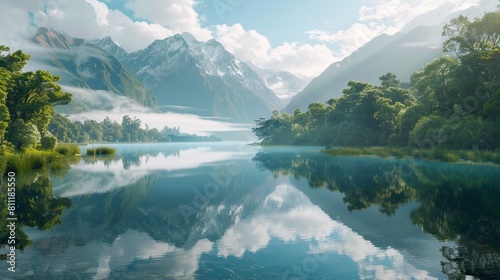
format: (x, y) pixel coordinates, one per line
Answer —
(129, 130)
(452, 103)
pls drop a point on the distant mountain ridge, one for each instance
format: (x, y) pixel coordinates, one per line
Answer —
(182, 71)
(84, 66)
(283, 83)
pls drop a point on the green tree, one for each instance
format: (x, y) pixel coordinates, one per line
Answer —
(94, 130)
(479, 39)
(48, 142)
(435, 85)
(23, 135)
(112, 130)
(389, 80)
(26, 99)
(4, 111)
(33, 97)
(491, 107)
(131, 129)
(428, 133)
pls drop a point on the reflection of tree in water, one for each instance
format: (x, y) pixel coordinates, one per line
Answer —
(377, 184)
(100, 217)
(457, 202)
(462, 206)
(36, 207)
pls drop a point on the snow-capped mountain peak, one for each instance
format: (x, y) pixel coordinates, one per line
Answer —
(182, 71)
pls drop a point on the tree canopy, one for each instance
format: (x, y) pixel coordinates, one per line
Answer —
(27, 101)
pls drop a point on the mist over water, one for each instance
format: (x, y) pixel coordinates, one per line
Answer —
(115, 107)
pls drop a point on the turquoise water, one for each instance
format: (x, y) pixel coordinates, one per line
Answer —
(232, 211)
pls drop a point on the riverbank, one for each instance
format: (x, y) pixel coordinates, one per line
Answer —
(477, 156)
(31, 159)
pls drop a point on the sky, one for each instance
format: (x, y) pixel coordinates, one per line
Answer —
(302, 37)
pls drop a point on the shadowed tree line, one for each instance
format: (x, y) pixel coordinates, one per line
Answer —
(453, 102)
(129, 130)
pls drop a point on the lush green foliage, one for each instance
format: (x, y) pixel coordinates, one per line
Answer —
(48, 142)
(100, 151)
(27, 101)
(364, 115)
(452, 103)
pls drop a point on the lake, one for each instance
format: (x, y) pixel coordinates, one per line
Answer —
(234, 211)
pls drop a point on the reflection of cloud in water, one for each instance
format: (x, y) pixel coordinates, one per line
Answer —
(133, 245)
(102, 177)
(288, 215)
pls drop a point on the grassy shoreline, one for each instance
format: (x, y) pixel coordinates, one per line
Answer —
(31, 160)
(445, 155)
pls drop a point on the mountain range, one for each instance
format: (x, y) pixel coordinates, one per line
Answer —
(84, 67)
(183, 72)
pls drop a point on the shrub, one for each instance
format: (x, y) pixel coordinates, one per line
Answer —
(68, 149)
(30, 160)
(100, 151)
(48, 143)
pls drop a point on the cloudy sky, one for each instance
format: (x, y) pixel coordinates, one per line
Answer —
(303, 37)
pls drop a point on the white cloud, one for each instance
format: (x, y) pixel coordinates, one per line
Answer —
(378, 18)
(99, 22)
(301, 59)
(134, 35)
(177, 15)
(87, 19)
(351, 39)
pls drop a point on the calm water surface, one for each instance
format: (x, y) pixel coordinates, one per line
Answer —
(232, 211)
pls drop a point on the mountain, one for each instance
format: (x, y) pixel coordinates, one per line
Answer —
(444, 13)
(93, 76)
(111, 47)
(184, 72)
(283, 83)
(402, 53)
